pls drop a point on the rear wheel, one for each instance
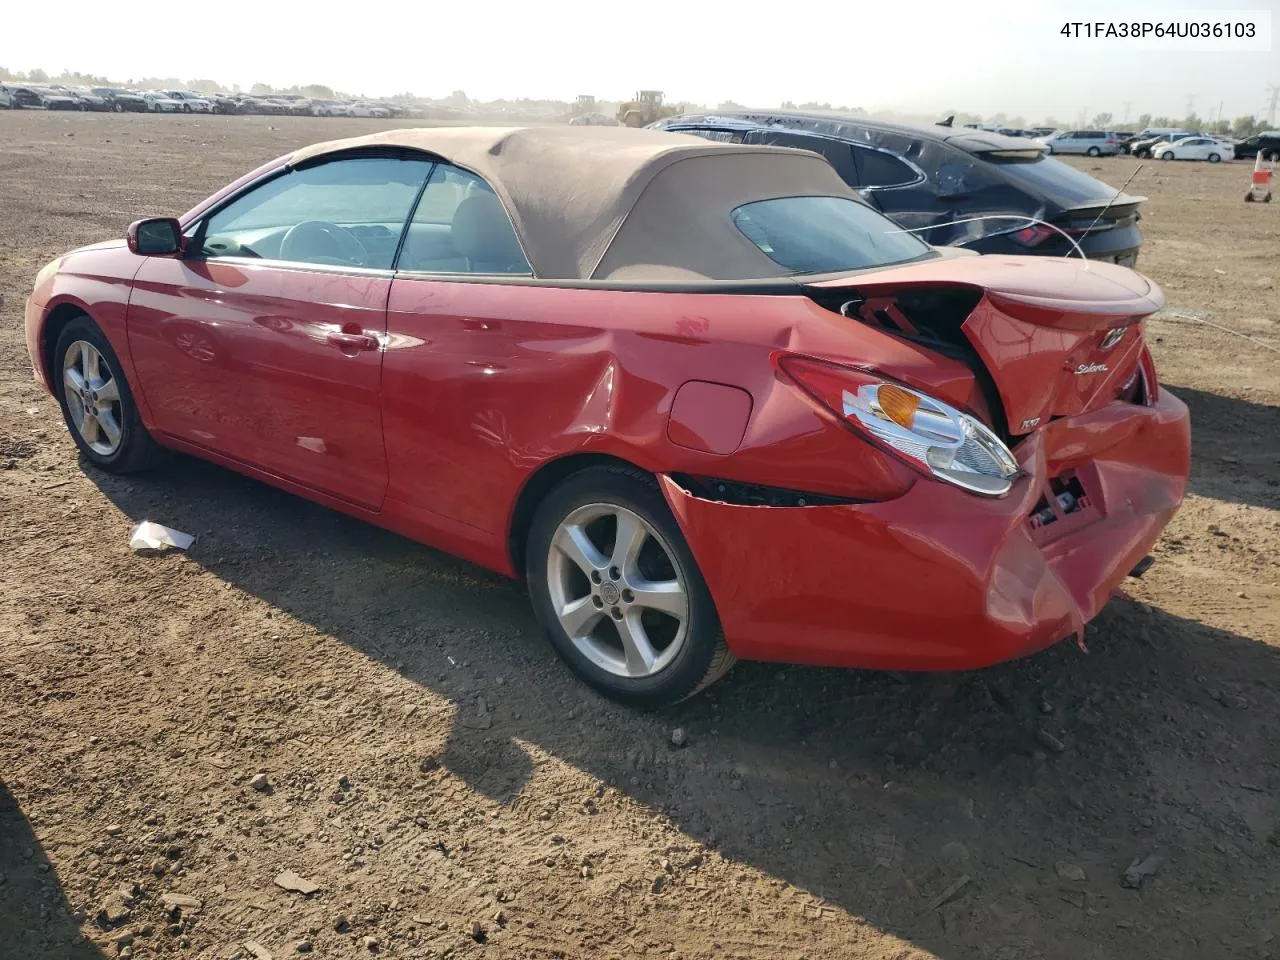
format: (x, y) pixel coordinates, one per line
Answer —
(1094, 152)
(618, 592)
(97, 403)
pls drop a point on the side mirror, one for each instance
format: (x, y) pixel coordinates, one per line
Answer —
(155, 237)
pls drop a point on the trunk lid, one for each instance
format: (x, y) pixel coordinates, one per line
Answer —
(1053, 337)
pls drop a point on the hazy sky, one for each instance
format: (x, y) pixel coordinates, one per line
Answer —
(981, 56)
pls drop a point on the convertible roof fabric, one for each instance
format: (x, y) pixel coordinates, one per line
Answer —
(616, 203)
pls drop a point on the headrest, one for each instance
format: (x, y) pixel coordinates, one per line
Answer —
(482, 232)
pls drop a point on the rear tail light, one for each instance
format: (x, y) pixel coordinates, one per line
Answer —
(1033, 235)
(931, 436)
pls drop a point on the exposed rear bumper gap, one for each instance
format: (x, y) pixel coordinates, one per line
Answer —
(739, 494)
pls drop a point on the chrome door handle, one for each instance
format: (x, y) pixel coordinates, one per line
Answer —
(352, 343)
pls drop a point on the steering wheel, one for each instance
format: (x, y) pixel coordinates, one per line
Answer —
(318, 241)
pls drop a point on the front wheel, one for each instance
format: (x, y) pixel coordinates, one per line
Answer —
(1214, 158)
(618, 592)
(1094, 152)
(97, 403)
(1167, 155)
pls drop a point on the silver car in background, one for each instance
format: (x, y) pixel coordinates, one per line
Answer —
(1091, 143)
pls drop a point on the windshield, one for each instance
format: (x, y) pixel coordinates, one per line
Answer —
(825, 234)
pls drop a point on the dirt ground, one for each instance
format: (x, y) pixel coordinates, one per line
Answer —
(453, 792)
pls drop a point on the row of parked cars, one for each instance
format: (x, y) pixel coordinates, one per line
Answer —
(18, 96)
(1165, 143)
(1159, 143)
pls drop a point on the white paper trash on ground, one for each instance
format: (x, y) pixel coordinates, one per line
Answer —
(154, 536)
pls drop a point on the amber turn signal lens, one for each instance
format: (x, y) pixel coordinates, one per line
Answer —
(898, 405)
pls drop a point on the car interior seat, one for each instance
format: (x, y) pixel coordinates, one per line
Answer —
(482, 234)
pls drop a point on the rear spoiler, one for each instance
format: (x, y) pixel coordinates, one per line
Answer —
(1124, 200)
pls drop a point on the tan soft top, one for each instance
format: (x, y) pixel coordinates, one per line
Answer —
(619, 203)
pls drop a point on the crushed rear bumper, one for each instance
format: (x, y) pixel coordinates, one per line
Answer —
(940, 579)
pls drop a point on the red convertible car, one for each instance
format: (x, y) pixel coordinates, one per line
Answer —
(707, 402)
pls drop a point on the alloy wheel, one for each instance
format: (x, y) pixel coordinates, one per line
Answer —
(93, 397)
(616, 590)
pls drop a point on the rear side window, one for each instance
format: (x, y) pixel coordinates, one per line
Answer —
(824, 234)
(460, 226)
(837, 153)
(879, 169)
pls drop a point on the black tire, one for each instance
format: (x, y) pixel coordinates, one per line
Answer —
(702, 659)
(118, 107)
(1215, 158)
(1094, 152)
(186, 108)
(1167, 155)
(137, 449)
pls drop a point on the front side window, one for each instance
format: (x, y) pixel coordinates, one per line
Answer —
(341, 213)
(720, 136)
(825, 234)
(460, 226)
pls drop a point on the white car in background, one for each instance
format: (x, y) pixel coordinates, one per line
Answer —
(329, 108)
(191, 102)
(367, 110)
(1194, 148)
(594, 120)
(158, 102)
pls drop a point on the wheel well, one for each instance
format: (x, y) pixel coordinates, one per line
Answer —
(58, 318)
(538, 486)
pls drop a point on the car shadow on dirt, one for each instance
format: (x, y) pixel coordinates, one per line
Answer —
(957, 812)
(35, 919)
(1237, 448)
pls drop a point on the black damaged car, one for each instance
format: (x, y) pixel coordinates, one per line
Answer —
(941, 179)
(121, 100)
(1267, 143)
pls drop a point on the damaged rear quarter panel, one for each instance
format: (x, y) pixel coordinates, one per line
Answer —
(485, 383)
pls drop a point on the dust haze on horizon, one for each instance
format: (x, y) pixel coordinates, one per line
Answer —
(982, 56)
